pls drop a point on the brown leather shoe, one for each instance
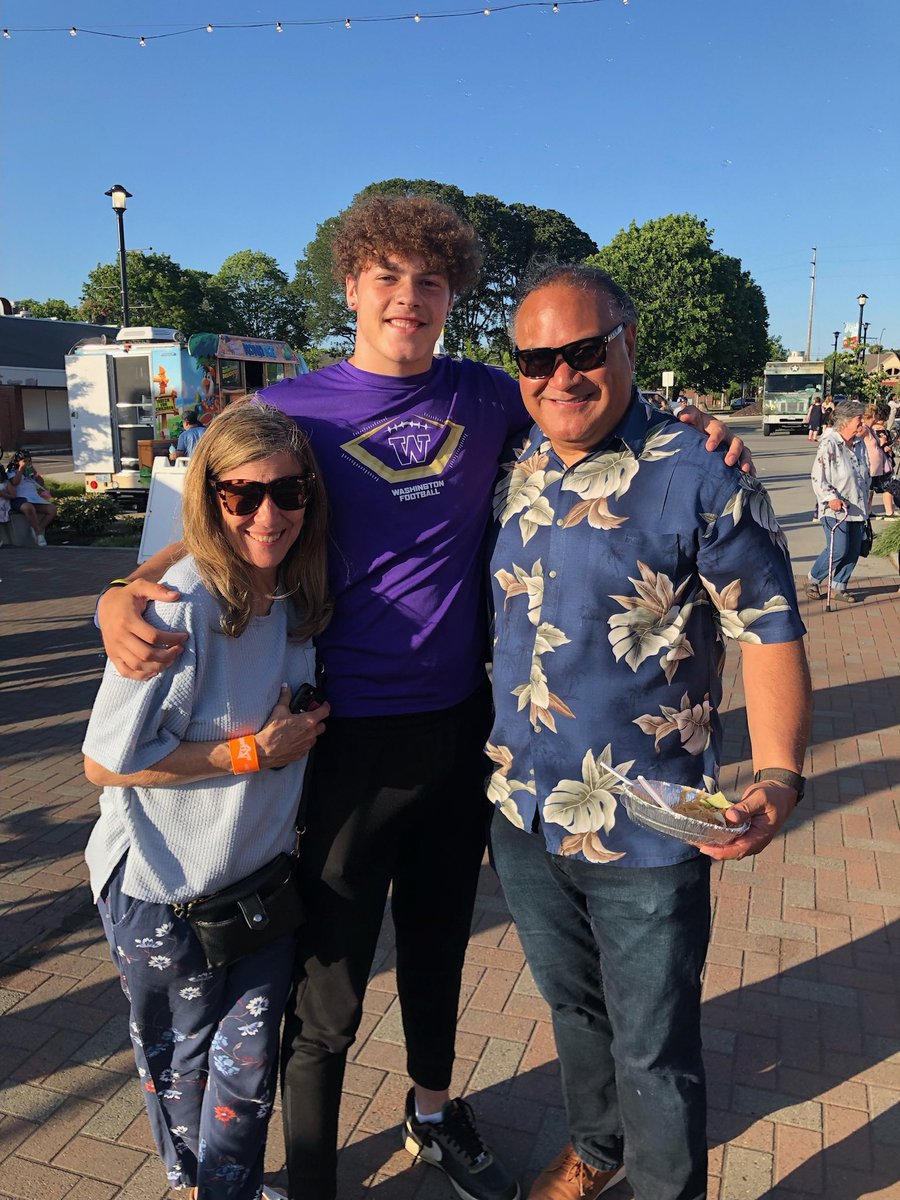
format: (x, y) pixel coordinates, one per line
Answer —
(568, 1178)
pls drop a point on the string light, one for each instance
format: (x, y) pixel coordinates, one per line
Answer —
(417, 17)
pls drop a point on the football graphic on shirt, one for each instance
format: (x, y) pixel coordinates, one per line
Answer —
(406, 449)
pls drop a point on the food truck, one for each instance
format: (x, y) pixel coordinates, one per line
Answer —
(127, 397)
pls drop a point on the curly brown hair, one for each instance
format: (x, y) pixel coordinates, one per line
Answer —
(411, 227)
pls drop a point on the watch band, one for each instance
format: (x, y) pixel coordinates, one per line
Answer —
(783, 775)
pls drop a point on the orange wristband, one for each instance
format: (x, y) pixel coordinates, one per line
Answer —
(243, 754)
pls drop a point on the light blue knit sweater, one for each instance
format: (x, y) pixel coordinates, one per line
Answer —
(190, 839)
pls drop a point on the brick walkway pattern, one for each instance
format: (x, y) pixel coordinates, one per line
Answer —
(802, 1028)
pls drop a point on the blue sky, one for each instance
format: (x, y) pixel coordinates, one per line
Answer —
(775, 120)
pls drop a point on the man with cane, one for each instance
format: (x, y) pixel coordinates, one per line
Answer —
(840, 479)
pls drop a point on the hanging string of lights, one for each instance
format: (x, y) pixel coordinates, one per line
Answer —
(280, 26)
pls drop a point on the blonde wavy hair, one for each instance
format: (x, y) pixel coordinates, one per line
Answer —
(241, 434)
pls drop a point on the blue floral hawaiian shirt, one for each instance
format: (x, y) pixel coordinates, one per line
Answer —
(616, 582)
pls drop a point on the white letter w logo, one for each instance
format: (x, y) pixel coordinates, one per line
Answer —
(410, 447)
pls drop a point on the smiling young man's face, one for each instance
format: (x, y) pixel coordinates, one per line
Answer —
(401, 306)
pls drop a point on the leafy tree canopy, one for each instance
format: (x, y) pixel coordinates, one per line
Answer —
(160, 292)
(262, 300)
(701, 315)
(510, 235)
(57, 309)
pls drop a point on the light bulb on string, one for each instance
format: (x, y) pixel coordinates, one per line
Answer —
(209, 28)
(347, 23)
(417, 18)
(487, 12)
(279, 28)
(556, 8)
(73, 32)
(6, 34)
(142, 42)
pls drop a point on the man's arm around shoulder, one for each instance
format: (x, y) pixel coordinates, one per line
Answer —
(138, 650)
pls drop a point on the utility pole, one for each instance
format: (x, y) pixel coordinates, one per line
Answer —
(812, 301)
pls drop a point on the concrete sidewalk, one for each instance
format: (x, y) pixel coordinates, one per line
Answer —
(801, 1016)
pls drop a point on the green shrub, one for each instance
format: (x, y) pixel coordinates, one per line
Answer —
(131, 525)
(87, 516)
(887, 543)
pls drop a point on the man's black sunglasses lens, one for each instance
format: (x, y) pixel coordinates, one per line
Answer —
(587, 354)
(243, 497)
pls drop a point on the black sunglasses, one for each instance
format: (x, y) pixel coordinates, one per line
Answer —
(241, 497)
(587, 354)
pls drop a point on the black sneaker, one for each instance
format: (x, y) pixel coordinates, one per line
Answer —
(455, 1145)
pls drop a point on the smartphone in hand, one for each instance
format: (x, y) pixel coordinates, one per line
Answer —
(307, 698)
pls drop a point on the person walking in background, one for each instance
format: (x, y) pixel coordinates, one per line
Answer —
(190, 435)
(880, 449)
(840, 480)
(828, 411)
(201, 768)
(814, 419)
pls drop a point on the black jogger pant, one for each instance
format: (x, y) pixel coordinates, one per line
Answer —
(394, 802)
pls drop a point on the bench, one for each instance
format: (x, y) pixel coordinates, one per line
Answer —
(16, 532)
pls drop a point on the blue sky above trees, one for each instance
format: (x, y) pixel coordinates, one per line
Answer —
(775, 122)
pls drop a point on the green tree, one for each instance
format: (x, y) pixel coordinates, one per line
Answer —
(701, 315)
(776, 351)
(160, 292)
(59, 310)
(264, 303)
(510, 235)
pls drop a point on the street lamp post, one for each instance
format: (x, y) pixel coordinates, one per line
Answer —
(865, 339)
(861, 301)
(119, 195)
(837, 334)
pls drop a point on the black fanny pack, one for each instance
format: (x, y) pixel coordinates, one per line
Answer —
(249, 915)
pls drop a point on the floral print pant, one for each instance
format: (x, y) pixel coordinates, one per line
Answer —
(205, 1042)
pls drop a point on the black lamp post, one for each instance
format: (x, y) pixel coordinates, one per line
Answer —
(865, 339)
(837, 334)
(861, 301)
(119, 195)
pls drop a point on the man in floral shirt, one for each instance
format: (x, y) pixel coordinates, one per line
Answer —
(625, 556)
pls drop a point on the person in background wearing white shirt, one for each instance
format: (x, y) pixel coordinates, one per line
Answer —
(840, 479)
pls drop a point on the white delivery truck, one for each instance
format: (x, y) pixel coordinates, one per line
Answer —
(127, 397)
(788, 391)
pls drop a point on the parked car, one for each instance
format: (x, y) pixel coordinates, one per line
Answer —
(741, 402)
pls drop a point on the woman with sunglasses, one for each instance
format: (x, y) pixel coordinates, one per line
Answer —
(202, 769)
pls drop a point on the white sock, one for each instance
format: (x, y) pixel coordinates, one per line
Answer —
(429, 1118)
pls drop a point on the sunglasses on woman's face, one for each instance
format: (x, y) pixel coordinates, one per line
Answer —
(587, 354)
(242, 497)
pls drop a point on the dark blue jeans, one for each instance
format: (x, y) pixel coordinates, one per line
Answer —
(617, 954)
(848, 538)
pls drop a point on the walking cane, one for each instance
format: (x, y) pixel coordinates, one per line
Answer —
(838, 520)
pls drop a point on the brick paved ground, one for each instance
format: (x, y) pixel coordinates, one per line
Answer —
(801, 1014)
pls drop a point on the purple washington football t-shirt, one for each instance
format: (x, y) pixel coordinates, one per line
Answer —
(409, 467)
